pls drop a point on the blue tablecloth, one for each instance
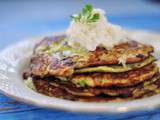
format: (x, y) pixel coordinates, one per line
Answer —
(24, 19)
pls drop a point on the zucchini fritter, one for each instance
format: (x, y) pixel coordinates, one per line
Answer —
(54, 57)
(115, 79)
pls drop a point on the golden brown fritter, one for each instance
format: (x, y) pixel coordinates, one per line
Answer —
(141, 92)
(145, 89)
(115, 79)
(135, 52)
(111, 91)
(115, 68)
(46, 63)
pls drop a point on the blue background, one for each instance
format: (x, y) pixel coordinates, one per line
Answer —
(21, 19)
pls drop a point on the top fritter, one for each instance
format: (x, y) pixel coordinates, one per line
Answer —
(54, 57)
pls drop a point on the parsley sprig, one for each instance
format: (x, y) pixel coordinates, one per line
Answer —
(86, 15)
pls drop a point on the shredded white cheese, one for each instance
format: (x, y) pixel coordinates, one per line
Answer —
(122, 59)
(90, 35)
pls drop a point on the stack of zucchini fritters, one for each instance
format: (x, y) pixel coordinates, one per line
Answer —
(125, 72)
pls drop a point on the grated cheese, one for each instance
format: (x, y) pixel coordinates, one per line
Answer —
(90, 35)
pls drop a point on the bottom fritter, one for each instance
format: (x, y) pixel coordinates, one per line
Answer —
(62, 90)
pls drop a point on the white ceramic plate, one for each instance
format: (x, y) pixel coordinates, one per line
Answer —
(14, 58)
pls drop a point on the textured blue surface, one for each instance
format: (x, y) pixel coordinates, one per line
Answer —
(20, 20)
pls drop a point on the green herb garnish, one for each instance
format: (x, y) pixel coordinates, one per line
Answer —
(87, 15)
